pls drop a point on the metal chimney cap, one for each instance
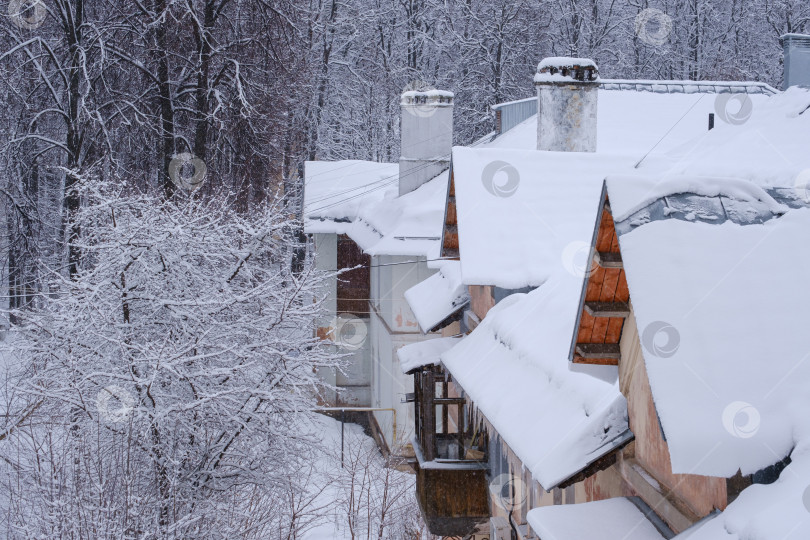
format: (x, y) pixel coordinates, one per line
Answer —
(565, 70)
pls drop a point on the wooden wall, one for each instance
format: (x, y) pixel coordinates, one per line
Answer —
(481, 300)
(701, 494)
(353, 286)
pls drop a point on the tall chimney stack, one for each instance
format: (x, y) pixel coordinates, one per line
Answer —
(427, 137)
(797, 60)
(567, 96)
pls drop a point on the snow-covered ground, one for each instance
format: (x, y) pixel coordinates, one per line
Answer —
(383, 497)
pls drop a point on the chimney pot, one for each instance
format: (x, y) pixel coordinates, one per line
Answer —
(797, 60)
(567, 98)
(427, 136)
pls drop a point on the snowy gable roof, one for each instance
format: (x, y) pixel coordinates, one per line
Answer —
(634, 122)
(715, 267)
(610, 519)
(557, 418)
(359, 198)
(424, 353)
(335, 191)
(438, 297)
(409, 225)
(720, 308)
(518, 211)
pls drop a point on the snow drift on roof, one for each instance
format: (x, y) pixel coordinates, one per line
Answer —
(424, 353)
(721, 312)
(518, 212)
(359, 198)
(778, 511)
(633, 122)
(556, 417)
(407, 225)
(335, 191)
(439, 296)
(767, 144)
(610, 519)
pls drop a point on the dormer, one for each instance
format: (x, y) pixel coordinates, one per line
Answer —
(604, 302)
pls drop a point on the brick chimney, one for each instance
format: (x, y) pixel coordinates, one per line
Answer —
(567, 95)
(797, 60)
(427, 137)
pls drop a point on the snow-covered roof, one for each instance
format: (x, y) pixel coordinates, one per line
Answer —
(360, 199)
(634, 122)
(439, 296)
(336, 191)
(611, 519)
(732, 298)
(519, 211)
(716, 272)
(424, 353)
(778, 511)
(407, 225)
(769, 148)
(557, 417)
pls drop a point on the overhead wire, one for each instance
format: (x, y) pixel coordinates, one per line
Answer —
(391, 179)
(349, 190)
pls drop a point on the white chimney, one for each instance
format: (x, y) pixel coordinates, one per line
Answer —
(567, 96)
(797, 60)
(427, 137)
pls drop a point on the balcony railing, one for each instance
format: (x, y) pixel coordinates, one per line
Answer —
(450, 464)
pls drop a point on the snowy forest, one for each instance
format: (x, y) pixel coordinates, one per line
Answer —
(159, 302)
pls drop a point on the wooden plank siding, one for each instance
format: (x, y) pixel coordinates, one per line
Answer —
(353, 286)
(450, 247)
(605, 285)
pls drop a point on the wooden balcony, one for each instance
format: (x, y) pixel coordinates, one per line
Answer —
(452, 494)
(450, 464)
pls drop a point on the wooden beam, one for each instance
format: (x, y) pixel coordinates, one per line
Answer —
(445, 412)
(590, 351)
(607, 309)
(595, 361)
(607, 259)
(429, 411)
(450, 401)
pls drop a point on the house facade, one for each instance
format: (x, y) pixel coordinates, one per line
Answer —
(518, 329)
(379, 226)
(607, 472)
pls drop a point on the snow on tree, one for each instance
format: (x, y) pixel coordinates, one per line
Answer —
(168, 379)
